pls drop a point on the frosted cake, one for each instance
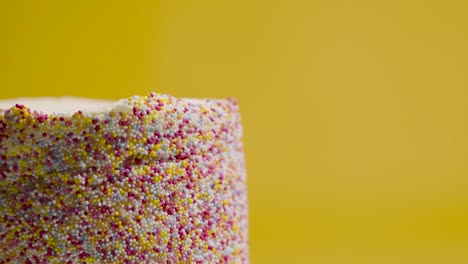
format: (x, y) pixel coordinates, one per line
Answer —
(150, 179)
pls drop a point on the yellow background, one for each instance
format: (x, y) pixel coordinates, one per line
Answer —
(355, 112)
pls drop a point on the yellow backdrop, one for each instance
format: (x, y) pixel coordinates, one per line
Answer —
(355, 112)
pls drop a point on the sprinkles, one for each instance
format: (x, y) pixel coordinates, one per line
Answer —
(163, 182)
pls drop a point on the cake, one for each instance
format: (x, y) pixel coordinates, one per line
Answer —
(148, 179)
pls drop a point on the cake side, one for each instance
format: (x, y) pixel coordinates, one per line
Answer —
(164, 181)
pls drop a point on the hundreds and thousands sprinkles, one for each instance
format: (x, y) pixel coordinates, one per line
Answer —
(163, 182)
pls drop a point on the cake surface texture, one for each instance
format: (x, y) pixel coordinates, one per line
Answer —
(149, 179)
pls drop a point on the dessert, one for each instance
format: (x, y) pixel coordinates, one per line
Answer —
(149, 179)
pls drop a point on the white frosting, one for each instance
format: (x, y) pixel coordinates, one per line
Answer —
(66, 105)
(69, 105)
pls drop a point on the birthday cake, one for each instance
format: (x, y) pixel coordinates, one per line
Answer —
(148, 179)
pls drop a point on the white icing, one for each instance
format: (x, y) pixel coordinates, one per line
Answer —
(70, 105)
(64, 105)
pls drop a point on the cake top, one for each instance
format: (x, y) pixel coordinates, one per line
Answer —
(69, 105)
